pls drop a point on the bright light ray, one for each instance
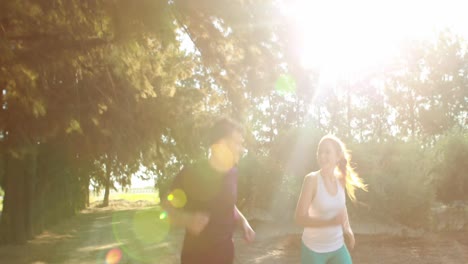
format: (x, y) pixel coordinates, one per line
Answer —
(343, 38)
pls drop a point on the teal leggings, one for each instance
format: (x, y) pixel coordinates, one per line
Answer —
(340, 256)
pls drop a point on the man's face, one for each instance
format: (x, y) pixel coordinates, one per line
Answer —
(235, 143)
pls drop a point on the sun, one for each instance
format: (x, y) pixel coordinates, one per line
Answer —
(345, 38)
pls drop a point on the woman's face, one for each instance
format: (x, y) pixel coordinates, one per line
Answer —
(327, 155)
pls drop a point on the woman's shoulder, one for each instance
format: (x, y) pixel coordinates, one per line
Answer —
(313, 174)
(311, 181)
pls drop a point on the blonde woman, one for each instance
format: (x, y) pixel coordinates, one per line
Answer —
(321, 208)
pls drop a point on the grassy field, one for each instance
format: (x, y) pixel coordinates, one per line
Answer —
(131, 197)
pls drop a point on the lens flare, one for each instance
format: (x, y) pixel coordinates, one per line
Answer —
(178, 198)
(223, 154)
(170, 197)
(139, 231)
(113, 256)
(148, 226)
(163, 215)
(285, 84)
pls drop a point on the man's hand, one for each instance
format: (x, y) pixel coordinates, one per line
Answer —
(249, 233)
(196, 222)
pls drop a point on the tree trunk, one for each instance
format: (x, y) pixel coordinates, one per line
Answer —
(87, 194)
(16, 221)
(108, 183)
(30, 164)
(38, 209)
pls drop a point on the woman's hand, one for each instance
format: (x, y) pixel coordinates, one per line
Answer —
(349, 239)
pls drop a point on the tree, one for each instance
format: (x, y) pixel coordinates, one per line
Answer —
(97, 81)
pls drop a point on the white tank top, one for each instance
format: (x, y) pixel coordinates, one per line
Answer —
(325, 206)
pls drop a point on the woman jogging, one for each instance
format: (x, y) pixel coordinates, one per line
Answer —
(321, 208)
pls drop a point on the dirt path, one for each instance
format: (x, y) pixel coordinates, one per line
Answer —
(283, 246)
(123, 233)
(129, 233)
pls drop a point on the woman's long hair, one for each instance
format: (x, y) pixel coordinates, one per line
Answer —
(349, 178)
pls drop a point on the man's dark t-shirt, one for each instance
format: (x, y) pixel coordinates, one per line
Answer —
(214, 193)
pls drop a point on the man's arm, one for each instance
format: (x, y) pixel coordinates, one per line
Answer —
(249, 233)
(178, 217)
(194, 222)
(241, 218)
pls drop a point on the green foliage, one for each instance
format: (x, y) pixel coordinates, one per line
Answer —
(398, 180)
(111, 84)
(427, 87)
(449, 169)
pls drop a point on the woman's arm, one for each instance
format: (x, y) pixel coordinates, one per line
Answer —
(347, 231)
(346, 224)
(302, 217)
